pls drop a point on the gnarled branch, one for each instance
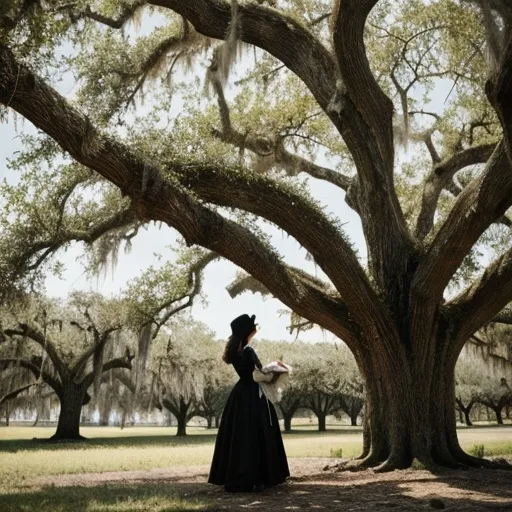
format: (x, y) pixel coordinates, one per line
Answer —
(34, 365)
(482, 202)
(482, 302)
(441, 177)
(25, 331)
(160, 200)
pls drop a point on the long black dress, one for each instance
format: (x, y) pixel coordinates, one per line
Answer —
(249, 448)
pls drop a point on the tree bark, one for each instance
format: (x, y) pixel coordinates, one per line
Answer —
(71, 401)
(321, 421)
(499, 417)
(467, 418)
(182, 425)
(411, 409)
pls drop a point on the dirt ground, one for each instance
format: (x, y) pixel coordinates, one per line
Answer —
(310, 487)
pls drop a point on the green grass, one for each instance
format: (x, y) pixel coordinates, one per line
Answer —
(112, 498)
(144, 448)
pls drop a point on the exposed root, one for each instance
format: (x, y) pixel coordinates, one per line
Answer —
(392, 463)
(470, 461)
(355, 464)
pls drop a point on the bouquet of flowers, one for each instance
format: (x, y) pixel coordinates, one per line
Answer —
(273, 379)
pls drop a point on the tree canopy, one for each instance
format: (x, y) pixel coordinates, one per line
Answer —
(403, 107)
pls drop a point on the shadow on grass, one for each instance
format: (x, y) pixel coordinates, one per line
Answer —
(113, 498)
(105, 442)
(473, 490)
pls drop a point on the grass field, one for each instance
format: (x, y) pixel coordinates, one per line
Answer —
(146, 448)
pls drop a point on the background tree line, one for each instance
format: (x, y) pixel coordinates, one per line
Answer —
(82, 356)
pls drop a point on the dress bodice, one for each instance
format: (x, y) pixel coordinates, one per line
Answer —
(245, 363)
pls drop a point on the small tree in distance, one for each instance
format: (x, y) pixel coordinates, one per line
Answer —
(68, 347)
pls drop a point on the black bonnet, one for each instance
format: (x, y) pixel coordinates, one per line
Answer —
(243, 325)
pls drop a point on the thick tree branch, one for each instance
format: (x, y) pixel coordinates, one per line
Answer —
(120, 362)
(25, 331)
(349, 19)
(499, 91)
(503, 317)
(369, 141)
(441, 176)
(79, 365)
(482, 302)
(316, 233)
(34, 365)
(481, 203)
(15, 393)
(152, 196)
(369, 113)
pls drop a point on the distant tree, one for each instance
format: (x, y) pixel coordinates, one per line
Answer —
(180, 362)
(496, 395)
(469, 380)
(68, 347)
(290, 403)
(219, 381)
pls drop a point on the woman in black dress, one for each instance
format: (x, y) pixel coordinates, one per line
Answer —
(249, 453)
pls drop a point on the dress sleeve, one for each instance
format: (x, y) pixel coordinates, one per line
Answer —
(254, 358)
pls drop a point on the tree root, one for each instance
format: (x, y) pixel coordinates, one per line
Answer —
(469, 461)
(356, 464)
(459, 460)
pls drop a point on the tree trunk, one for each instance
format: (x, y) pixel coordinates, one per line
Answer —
(71, 401)
(287, 414)
(499, 417)
(467, 418)
(321, 421)
(182, 416)
(182, 425)
(287, 422)
(217, 420)
(209, 421)
(465, 411)
(410, 408)
(7, 414)
(353, 418)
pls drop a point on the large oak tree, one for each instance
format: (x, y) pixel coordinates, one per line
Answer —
(360, 73)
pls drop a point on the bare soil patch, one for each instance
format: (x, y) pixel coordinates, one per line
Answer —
(312, 488)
